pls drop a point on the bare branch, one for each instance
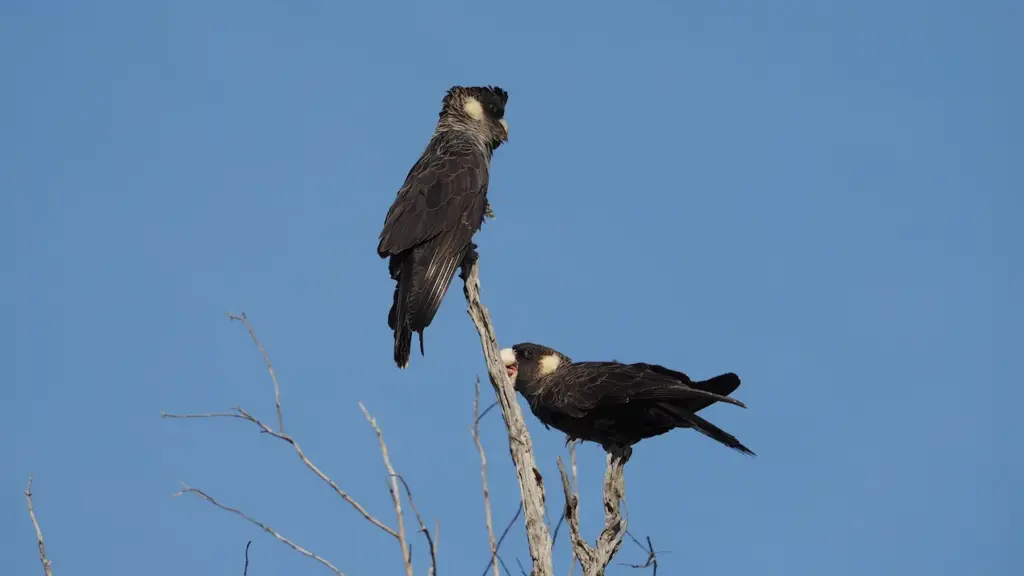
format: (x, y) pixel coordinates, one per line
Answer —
(393, 488)
(486, 410)
(245, 572)
(531, 483)
(594, 560)
(504, 533)
(582, 550)
(241, 413)
(39, 533)
(558, 527)
(610, 540)
(198, 416)
(483, 476)
(270, 368)
(423, 528)
(652, 556)
(263, 526)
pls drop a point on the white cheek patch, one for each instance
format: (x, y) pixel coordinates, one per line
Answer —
(549, 364)
(473, 108)
(508, 356)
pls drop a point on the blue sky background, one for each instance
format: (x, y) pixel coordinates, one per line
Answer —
(821, 197)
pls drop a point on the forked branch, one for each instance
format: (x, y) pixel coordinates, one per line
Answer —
(431, 540)
(242, 414)
(270, 367)
(652, 556)
(595, 559)
(393, 478)
(396, 496)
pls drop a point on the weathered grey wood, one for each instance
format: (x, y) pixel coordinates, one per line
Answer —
(595, 559)
(531, 484)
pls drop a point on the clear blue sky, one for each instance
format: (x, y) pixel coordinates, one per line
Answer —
(820, 197)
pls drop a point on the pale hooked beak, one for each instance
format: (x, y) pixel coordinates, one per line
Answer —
(508, 357)
(504, 125)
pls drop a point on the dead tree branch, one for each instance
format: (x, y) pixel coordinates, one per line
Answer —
(495, 546)
(594, 560)
(241, 413)
(431, 542)
(652, 556)
(483, 477)
(614, 491)
(264, 527)
(393, 477)
(270, 367)
(531, 483)
(39, 533)
(497, 557)
(396, 497)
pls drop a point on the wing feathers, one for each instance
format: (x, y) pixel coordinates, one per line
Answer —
(429, 229)
(674, 392)
(586, 385)
(436, 262)
(443, 188)
(398, 320)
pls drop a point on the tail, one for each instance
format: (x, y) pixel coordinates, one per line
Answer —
(423, 275)
(687, 419)
(398, 316)
(710, 430)
(403, 345)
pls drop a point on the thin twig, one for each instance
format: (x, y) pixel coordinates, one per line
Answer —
(393, 488)
(245, 572)
(502, 539)
(263, 526)
(652, 556)
(483, 476)
(531, 483)
(204, 415)
(486, 410)
(505, 533)
(558, 527)
(423, 528)
(270, 368)
(39, 533)
(241, 413)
